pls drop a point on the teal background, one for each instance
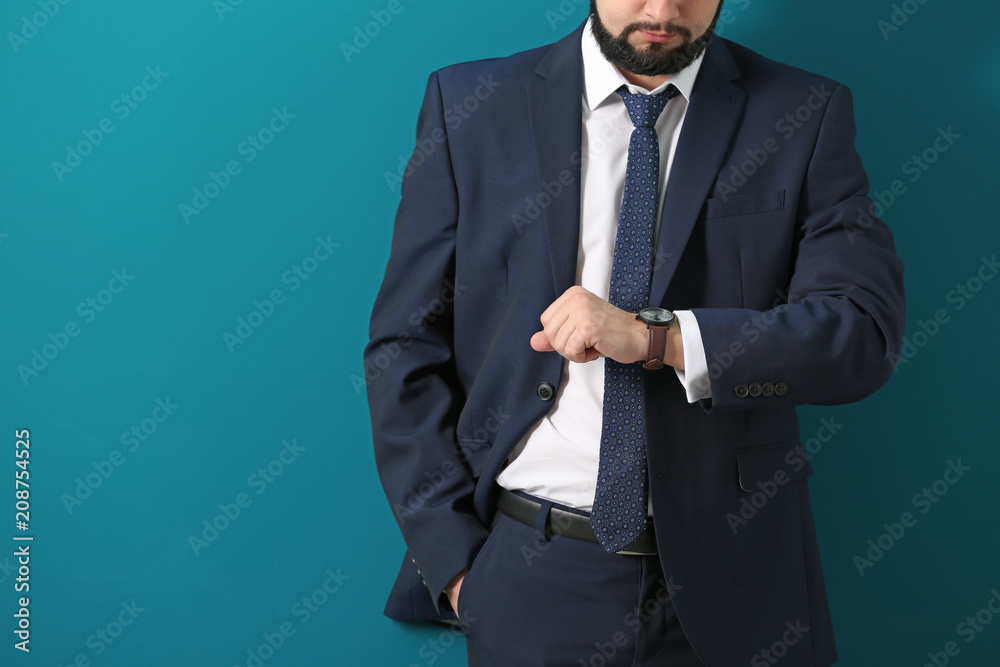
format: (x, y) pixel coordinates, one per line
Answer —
(295, 378)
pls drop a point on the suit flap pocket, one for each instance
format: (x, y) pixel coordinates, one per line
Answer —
(780, 463)
(745, 204)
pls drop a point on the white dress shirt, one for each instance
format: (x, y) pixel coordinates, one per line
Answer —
(558, 458)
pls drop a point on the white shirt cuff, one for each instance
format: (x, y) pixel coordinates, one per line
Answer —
(694, 377)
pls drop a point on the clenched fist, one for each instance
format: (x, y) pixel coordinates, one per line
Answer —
(582, 327)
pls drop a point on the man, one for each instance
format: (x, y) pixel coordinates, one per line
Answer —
(571, 501)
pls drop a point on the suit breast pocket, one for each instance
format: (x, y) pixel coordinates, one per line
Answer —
(749, 240)
(746, 204)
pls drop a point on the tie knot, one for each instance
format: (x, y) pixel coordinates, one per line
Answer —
(645, 109)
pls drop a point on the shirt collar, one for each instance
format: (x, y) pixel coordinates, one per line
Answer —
(602, 79)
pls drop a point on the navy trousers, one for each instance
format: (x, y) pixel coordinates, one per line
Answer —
(530, 599)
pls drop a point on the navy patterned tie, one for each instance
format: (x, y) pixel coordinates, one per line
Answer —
(619, 513)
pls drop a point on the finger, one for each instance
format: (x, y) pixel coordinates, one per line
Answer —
(563, 302)
(579, 348)
(540, 342)
(556, 321)
(562, 339)
(553, 308)
(572, 343)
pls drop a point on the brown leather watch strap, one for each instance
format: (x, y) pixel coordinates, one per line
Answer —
(657, 347)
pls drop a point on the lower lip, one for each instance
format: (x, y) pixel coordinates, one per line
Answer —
(657, 38)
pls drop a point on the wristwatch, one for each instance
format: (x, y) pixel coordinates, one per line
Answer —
(658, 321)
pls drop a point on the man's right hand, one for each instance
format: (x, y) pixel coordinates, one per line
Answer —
(452, 589)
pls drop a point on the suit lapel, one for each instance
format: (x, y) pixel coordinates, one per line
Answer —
(712, 118)
(555, 99)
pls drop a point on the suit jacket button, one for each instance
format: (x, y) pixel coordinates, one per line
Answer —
(545, 391)
(754, 389)
(780, 389)
(742, 391)
(767, 389)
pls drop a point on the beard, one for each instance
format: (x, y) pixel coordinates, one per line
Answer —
(656, 59)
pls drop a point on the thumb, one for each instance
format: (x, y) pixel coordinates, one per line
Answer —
(540, 343)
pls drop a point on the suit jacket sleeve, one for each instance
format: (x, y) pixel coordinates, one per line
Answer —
(414, 391)
(837, 337)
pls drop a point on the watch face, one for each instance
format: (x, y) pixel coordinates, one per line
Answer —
(656, 316)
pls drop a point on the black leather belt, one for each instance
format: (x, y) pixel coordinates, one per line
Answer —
(569, 524)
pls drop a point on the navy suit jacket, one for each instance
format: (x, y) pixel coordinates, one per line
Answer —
(766, 234)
